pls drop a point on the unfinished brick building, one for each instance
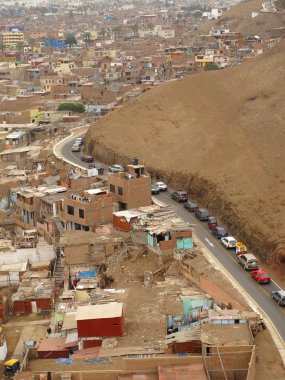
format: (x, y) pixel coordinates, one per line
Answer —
(132, 188)
(86, 210)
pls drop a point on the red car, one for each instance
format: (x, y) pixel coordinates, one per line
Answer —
(260, 276)
(212, 223)
(87, 158)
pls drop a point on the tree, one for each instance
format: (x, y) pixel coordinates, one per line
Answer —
(87, 37)
(70, 39)
(73, 107)
(211, 66)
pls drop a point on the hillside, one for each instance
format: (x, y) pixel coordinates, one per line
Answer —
(221, 136)
(238, 18)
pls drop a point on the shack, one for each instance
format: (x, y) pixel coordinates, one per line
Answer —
(104, 320)
(34, 294)
(123, 220)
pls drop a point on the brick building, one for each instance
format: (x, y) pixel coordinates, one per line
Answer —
(132, 188)
(86, 210)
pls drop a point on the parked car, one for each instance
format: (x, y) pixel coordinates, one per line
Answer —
(79, 140)
(154, 189)
(248, 261)
(162, 186)
(212, 222)
(229, 242)
(279, 297)
(96, 165)
(75, 148)
(179, 196)
(87, 158)
(190, 206)
(240, 248)
(202, 213)
(116, 168)
(260, 276)
(219, 232)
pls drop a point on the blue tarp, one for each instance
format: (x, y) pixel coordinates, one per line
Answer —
(88, 274)
(64, 361)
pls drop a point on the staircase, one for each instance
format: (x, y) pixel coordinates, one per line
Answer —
(58, 269)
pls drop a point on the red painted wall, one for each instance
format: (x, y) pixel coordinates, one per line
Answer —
(100, 327)
(53, 354)
(121, 223)
(26, 306)
(92, 343)
(44, 304)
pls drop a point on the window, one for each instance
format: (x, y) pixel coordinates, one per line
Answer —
(120, 191)
(112, 188)
(81, 213)
(77, 226)
(70, 210)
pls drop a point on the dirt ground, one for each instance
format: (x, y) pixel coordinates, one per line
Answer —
(145, 308)
(220, 136)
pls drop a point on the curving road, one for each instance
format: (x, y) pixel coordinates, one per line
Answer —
(260, 294)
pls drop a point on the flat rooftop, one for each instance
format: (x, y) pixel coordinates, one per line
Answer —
(108, 310)
(227, 335)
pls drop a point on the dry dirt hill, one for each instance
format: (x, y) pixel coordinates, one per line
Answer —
(238, 18)
(220, 135)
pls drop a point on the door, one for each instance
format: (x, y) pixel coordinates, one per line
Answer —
(34, 307)
(184, 243)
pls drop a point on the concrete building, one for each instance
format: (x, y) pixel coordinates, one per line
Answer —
(28, 201)
(11, 39)
(86, 210)
(132, 188)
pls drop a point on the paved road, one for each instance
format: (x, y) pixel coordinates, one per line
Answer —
(75, 156)
(72, 156)
(261, 294)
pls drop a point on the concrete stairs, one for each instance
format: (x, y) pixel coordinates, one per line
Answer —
(58, 269)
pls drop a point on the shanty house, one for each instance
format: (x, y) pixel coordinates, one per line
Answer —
(165, 231)
(34, 294)
(104, 320)
(123, 220)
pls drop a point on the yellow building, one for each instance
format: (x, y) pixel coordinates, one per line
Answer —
(11, 39)
(36, 115)
(202, 60)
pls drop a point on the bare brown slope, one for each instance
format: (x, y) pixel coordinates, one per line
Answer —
(238, 18)
(220, 135)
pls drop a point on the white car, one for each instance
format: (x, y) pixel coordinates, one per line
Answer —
(116, 168)
(162, 186)
(229, 242)
(78, 141)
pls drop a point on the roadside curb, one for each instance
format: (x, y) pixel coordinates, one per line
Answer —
(278, 341)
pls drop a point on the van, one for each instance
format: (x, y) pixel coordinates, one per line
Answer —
(202, 214)
(279, 297)
(248, 261)
(240, 248)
